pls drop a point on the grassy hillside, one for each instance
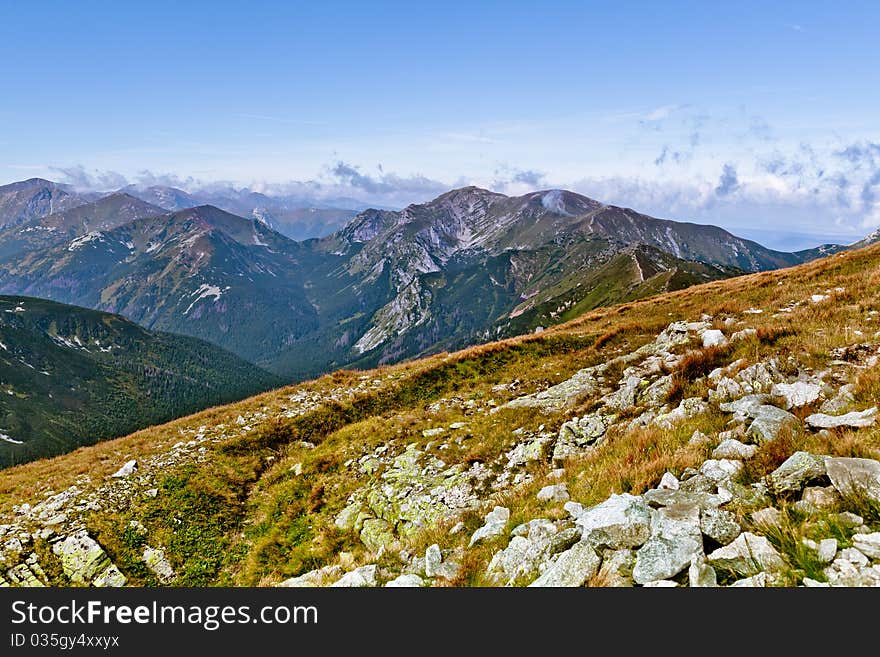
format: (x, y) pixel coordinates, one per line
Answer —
(256, 493)
(71, 376)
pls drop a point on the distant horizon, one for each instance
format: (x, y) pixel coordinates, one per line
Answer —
(749, 117)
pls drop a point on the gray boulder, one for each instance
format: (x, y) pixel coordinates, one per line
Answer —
(621, 521)
(854, 477)
(84, 561)
(747, 555)
(868, 544)
(769, 421)
(572, 568)
(719, 525)
(495, 522)
(700, 574)
(675, 540)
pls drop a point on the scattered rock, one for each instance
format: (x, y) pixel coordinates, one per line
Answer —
(315, 578)
(126, 470)
(734, 449)
(719, 470)
(769, 421)
(868, 544)
(84, 561)
(827, 550)
(358, 578)
(700, 574)
(668, 482)
(495, 522)
(797, 394)
(155, 560)
(747, 555)
(617, 567)
(719, 525)
(675, 540)
(767, 517)
(621, 521)
(714, 338)
(572, 568)
(407, 580)
(853, 477)
(821, 497)
(554, 493)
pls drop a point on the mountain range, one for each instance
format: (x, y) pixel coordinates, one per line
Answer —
(469, 266)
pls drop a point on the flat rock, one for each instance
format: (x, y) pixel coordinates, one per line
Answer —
(868, 544)
(855, 419)
(720, 469)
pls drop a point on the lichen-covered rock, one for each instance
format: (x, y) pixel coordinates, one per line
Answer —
(769, 421)
(158, 563)
(686, 409)
(377, 533)
(579, 434)
(84, 561)
(719, 525)
(796, 472)
(616, 569)
(534, 450)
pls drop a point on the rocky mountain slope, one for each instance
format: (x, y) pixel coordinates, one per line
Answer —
(725, 434)
(71, 376)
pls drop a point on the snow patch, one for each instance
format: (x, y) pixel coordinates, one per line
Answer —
(9, 439)
(94, 236)
(203, 292)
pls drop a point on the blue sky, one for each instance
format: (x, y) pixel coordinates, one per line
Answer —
(756, 116)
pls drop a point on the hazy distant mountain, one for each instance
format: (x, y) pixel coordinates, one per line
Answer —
(71, 376)
(28, 199)
(61, 227)
(296, 217)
